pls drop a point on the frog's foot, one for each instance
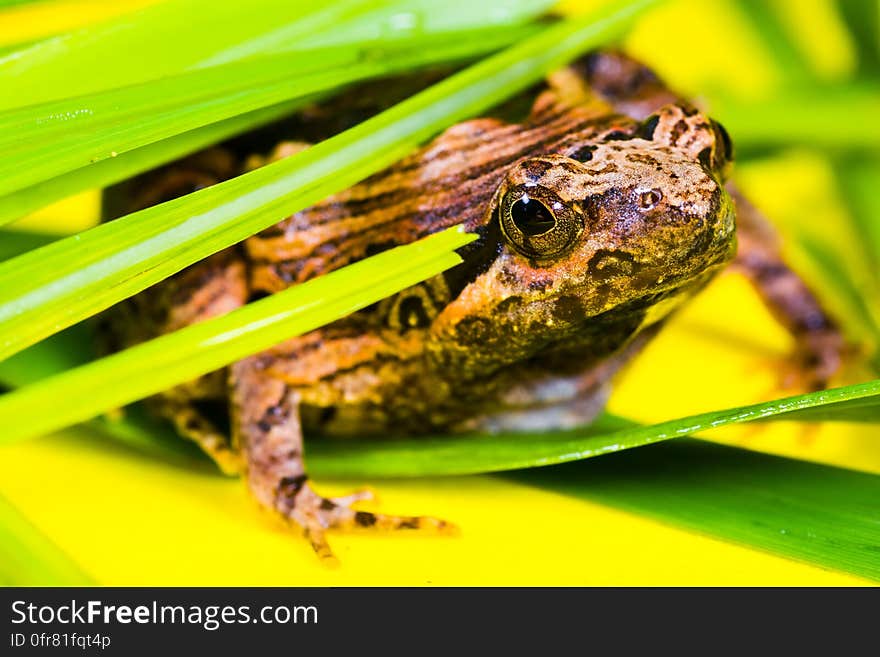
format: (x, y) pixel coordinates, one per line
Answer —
(817, 358)
(267, 425)
(811, 365)
(297, 501)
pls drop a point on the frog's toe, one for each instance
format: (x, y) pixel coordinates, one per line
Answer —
(316, 514)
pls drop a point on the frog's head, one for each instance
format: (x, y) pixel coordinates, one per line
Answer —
(623, 224)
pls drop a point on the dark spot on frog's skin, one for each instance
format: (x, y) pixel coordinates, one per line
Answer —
(569, 167)
(535, 169)
(364, 519)
(327, 505)
(643, 158)
(473, 330)
(264, 426)
(508, 278)
(607, 264)
(677, 131)
(507, 305)
(409, 523)
(610, 167)
(583, 154)
(673, 176)
(568, 310)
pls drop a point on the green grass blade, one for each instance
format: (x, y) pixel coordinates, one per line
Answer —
(135, 428)
(768, 23)
(159, 364)
(27, 556)
(48, 289)
(135, 47)
(44, 141)
(470, 454)
(67, 65)
(818, 514)
(114, 169)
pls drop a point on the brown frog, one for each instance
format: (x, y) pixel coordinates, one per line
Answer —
(597, 216)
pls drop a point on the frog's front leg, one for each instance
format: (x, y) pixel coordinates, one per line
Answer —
(267, 429)
(819, 343)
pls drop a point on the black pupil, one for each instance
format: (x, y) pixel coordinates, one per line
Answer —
(532, 217)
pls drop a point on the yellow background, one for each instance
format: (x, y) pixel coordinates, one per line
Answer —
(125, 518)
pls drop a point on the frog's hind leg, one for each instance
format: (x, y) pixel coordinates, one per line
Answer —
(266, 426)
(820, 346)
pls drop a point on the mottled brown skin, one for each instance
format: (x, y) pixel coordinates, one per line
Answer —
(597, 216)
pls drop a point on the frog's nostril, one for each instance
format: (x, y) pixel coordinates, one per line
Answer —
(649, 199)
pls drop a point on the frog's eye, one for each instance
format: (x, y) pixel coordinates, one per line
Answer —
(537, 228)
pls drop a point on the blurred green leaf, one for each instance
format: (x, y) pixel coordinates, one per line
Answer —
(833, 117)
(862, 18)
(133, 48)
(27, 556)
(860, 180)
(776, 36)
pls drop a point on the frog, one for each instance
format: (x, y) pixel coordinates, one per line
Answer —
(596, 217)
